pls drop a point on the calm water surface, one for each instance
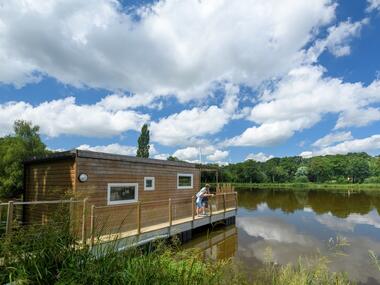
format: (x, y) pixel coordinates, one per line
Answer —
(294, 224)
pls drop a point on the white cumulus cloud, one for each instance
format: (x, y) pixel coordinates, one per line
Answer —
(116, 148)
(301, 99)
(261, 157)
(65, 117)
(368, 144)
(332, 138)
(373, 5)
(169, 47)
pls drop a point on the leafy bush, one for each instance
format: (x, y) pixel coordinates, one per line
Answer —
(301, 179)
(372, 179)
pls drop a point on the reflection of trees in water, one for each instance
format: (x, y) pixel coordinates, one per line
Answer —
(250, 199)
(287, 201)
(339, 204)
(376, 202)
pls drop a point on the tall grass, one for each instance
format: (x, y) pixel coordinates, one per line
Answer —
(50, 255)
(304, 272)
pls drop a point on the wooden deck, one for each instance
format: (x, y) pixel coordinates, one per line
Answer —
(126, 225)
(135, 237)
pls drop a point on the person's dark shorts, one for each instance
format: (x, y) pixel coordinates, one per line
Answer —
(205, 202)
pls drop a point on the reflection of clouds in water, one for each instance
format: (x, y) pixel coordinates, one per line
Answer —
(349, 223)
(262, 207)
(277, 231)
(308, 209)
(288, 245)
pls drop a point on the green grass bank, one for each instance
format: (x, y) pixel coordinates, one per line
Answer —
(311, 186)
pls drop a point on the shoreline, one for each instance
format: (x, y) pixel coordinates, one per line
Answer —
(310, 186)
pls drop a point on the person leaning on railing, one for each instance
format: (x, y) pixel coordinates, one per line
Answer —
(202, 200)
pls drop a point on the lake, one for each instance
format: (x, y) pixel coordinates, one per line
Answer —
(341, 226)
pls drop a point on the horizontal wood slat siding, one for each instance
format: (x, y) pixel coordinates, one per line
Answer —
(50, 180)
(101, 172)
(122, 218)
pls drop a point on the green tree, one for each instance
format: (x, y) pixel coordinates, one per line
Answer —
(280, 174)
(143, 142)
(14, 149)
(302, 171)
(374, 166)
(320, 169)
(358, 169)
(172, 158)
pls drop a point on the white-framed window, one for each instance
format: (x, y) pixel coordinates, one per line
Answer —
(122, 193)
(184, 181)
(149, 183)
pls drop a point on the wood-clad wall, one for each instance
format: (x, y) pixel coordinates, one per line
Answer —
(122, 218)
(49, 180)
(101, 172)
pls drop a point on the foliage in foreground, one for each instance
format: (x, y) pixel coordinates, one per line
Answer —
(48, 257)
(305, 272)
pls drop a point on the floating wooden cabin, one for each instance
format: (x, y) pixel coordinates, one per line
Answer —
(108, 179)
(122, 195)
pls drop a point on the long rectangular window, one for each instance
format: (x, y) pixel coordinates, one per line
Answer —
(185, 181)
(122, 193)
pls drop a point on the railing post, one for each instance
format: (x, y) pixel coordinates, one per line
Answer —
(224, 202)
(170, 212)
(192, 207)
(84, 217)
(236, 201)
(71, 209)
(1, 213)
(138, 217)
(8, 227)
(210, 204)
(92, 226)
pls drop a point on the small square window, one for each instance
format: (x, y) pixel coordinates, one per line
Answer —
(149, 183)
(184, 181)
(122, 193)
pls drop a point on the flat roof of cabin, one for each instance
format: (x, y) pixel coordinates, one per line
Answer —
(72, 154)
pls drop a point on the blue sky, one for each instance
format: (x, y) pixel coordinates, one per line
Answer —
(229, 80)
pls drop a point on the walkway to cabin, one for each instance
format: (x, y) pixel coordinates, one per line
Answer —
(140, 221)
(145, 220)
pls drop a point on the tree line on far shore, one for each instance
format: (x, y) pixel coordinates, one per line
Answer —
(339, 169)
(25, 143)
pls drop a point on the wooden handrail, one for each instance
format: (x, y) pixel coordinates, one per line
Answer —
(43, 202)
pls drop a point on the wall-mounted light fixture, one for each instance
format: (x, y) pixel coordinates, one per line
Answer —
(83, 177)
